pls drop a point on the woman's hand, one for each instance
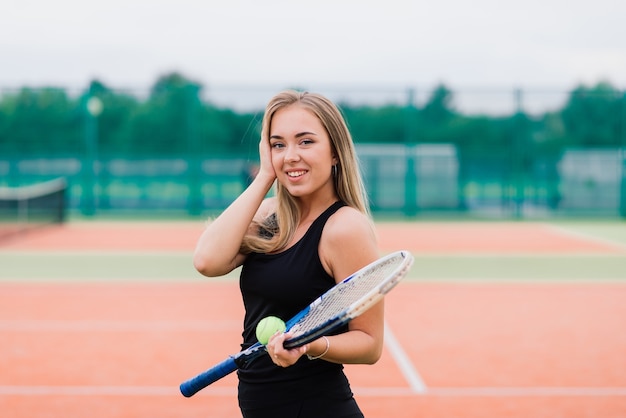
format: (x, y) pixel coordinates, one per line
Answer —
(265, 154)
(280, 355)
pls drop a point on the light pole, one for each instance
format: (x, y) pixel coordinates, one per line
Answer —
(93, 107)
(622, 199)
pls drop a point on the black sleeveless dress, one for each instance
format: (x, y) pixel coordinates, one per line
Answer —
(281, 285)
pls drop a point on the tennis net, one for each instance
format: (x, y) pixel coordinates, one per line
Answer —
(27, 207)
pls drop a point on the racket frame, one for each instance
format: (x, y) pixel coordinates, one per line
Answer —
(365, 302)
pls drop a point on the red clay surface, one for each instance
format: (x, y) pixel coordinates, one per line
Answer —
(483, 350)
(120, 350)
(448, 238)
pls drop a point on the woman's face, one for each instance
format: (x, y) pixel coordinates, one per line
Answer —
(301, 152)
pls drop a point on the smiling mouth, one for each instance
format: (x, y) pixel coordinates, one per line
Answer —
(294, 174)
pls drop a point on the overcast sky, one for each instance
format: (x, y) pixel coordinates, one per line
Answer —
(542, 44)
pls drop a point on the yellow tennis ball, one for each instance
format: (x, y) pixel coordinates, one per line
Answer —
(267, 327)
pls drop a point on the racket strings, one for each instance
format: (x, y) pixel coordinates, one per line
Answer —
(340, 298)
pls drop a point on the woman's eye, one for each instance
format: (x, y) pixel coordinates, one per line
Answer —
(277, 145)
(307, 141)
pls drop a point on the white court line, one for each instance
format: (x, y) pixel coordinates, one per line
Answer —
(587, 237)
(494, 392)
(369, 392)
(88, 390)
(538, 391)
(411, 375)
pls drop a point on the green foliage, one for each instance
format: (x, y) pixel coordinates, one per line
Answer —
(174, 120)
(438, 110)
(592, 116)
(376, 125)
(43, 121)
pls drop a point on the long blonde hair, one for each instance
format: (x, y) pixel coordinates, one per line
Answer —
(348, 182)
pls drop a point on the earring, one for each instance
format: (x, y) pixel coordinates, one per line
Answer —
(335, 171)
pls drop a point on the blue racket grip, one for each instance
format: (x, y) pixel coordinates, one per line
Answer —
(204, 379)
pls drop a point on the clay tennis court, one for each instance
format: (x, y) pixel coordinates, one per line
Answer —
(542, 336)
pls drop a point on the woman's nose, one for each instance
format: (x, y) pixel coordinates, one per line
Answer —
(292, 154)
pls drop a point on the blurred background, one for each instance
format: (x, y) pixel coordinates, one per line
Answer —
(148, 112)
(465, 110)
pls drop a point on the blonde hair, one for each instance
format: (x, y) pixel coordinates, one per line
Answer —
(348, 182)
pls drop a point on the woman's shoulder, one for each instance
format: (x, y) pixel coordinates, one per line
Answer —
(348, 222)
(348, 242)
(350, 214)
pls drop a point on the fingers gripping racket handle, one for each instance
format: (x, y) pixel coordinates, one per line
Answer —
(215, 373)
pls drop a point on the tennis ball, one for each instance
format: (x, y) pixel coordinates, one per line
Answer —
(267, 327)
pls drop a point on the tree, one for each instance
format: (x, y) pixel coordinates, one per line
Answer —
(165, 123)
(438, 109)
(385, 124)
(39, 121)
(592, 116)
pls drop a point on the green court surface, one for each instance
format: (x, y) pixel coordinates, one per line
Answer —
(159, 267)
(41, 265)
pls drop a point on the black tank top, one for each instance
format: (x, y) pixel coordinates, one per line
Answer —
(282, 284)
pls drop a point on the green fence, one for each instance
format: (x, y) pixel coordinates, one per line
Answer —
(401, 180)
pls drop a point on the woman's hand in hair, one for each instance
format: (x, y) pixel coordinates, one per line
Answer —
(265, 153)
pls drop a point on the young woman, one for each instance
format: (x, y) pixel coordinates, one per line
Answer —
(314, 233)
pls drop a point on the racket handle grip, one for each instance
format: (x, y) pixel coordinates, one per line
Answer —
(204, 379)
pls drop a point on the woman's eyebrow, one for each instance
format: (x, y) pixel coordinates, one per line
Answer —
(298, 135)
(305, 134)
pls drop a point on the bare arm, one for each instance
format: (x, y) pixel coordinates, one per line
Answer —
(217, 251)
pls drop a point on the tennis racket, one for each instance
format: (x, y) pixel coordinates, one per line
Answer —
(340, 304)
